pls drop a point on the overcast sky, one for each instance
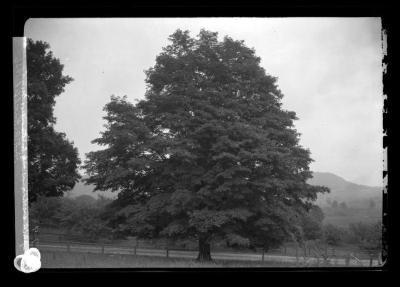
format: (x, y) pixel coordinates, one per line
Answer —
(329, 70)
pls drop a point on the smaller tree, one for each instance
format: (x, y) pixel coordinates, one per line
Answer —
(312, 223)
(44, 212)
(52, 158)
(84, 218)
(367, 236)
(332, 234)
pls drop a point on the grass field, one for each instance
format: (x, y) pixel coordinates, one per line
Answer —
(87, 260)
(289, 249)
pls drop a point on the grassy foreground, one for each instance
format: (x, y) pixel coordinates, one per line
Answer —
(52, 259)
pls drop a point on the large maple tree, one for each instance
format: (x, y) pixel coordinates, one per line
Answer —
(208, 154)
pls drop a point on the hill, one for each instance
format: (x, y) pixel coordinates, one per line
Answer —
(347, 202)
(82, 189)
(343, 190)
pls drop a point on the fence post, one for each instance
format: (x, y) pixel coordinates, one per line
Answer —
(35, 236)
(348, 260)
(68, 247)
(167, 252)
(263, 253)
(297, 255)
(370, 260)
(102, 249)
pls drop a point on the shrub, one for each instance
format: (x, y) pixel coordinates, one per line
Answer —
(332, 234)
(368, 236)
(82, 216)
(44, 212)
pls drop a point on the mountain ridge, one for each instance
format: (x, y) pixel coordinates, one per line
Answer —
(343, 190)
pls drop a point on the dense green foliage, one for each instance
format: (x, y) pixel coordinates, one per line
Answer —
(52, 159)
(368, 236)
(209, 153)
(332, 234)
(80, 216)
(44, 212)
(312, 224)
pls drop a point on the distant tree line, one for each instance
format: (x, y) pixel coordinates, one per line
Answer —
(370, 203)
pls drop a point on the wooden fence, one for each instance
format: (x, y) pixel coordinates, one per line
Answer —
(309, 255)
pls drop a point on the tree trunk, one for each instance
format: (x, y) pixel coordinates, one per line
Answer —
(204, 249)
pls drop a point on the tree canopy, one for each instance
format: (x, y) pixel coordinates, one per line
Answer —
(312, 224)
(52, 159)
(209, 153)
